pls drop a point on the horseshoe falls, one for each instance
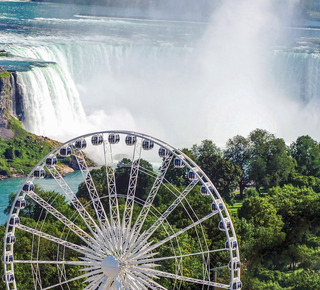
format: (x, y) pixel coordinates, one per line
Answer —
(183, 81)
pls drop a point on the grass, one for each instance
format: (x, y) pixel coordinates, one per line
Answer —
(4, 74)
(234, 208)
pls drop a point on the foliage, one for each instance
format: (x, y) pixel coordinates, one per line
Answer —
(20, 154)
(238, 152)
(4, 74)
(306, 152)
(251, 192)
(270, 165)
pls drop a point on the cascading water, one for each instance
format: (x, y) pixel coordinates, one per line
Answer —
(51, 101)
(185, 80)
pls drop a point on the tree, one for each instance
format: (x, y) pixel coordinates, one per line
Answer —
(207, 147)
(306, 152)
(258, 151)
(279, 163)
(261, 233)
(238, 152)
(224, 175)
(270, 165)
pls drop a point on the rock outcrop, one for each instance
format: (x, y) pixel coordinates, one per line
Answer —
(11, 104)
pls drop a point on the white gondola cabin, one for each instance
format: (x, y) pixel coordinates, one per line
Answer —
(52, 160)
(236, 285)
(14, 220)
(96, 140)
(221, 225)
(163, 152)
(10, 239)
(214, 206)
(7, 258)
(81, 144)
(28, 186)
(192, 175)
(204, 190)
(20, 203)
(114, 138)
(8, 277)
(234, 245)
(131, 140)
(65, 151)
(236, 265)
(39, 172)
(178, 163)
(147, 144)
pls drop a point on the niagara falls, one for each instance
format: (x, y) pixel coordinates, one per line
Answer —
(245, 66)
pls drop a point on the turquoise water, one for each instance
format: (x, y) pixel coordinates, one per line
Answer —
(7, 186)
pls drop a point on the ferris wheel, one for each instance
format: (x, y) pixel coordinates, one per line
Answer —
(145, 217)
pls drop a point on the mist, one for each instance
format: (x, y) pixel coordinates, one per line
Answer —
(222, 86)
(181, 81)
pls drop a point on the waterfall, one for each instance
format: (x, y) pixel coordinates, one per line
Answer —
(298, 74)
(51, 102)
(92, 85)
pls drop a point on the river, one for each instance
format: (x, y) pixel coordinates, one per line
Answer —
(12, 185)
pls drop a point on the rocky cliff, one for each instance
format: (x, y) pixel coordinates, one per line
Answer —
(11, 104)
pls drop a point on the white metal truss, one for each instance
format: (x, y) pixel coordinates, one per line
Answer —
(149, 201)
(112, 189)
(96, 202)
(128, 209)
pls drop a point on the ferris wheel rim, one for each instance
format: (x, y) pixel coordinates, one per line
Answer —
(223, 213)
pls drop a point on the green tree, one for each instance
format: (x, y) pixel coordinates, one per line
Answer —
(261, 233)
(306, 152)
(270, 164)
(238, 152)
(207, 147)
(224, 175)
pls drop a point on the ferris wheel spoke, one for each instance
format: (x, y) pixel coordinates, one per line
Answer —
(74, 228)
(62, 274)
(36, 276)
(73, 263)
(173, 257)
(170, 209)
(141, 251)
(96, 202)
(112, 190)
(133, 283)
(149, 201)
(129, 204)
(72, 279)
(94, 278)
(103, 283)
(80, 249)
(137, 240)
(95, 284)
(106, 284)
(91, 224)
(145, 280)
(159, 273)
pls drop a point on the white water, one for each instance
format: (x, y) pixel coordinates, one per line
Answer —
(229, 82)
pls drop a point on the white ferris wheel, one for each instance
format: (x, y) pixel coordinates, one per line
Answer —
(146, 218)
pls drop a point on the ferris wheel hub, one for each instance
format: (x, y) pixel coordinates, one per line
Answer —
(110, 266)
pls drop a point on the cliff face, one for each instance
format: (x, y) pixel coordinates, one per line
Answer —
(10, 102)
